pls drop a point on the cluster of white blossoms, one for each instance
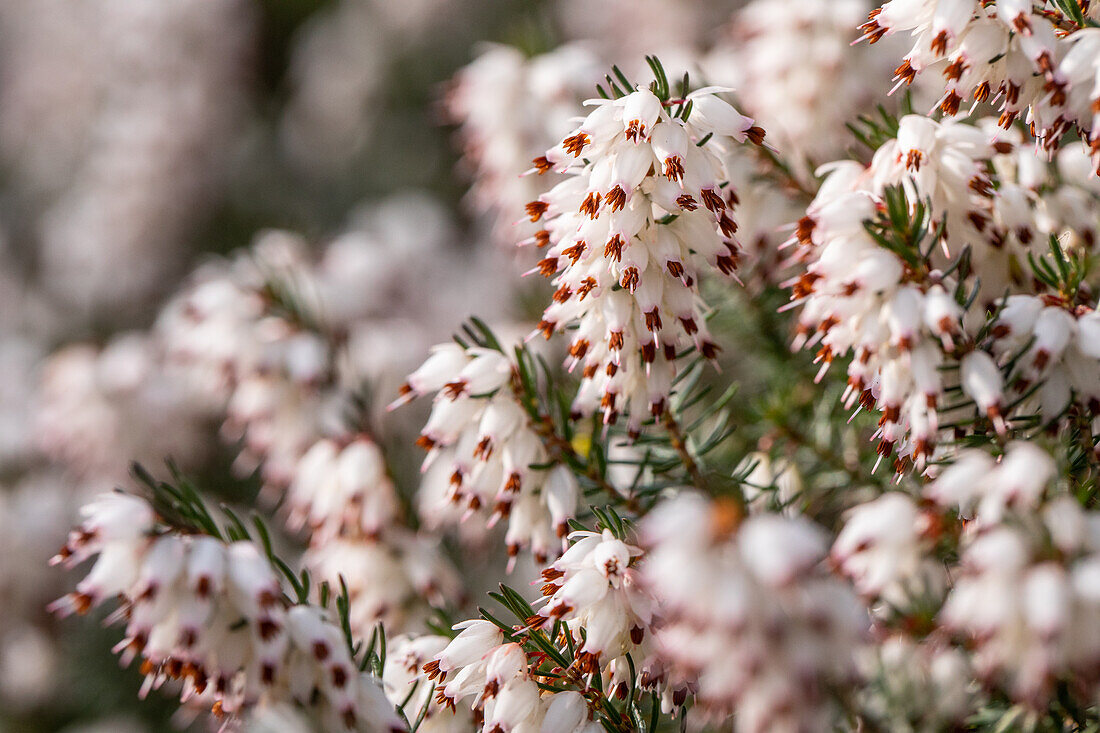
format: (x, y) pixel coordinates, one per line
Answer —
(342, 493)
(509, 108)
(751, 622)
(493, 677)
(1026, 597)
(340, 489)
(230, 336)
(925, 685)
(1021, 594)
(1057, 345)
(903, 320)
(213, 617)
(404, 678)
(798, 76)
(985, 489)
(884, 547)
(1031, 60)
(99, 409)
(642, 212)
(485, 457)
(594, 588)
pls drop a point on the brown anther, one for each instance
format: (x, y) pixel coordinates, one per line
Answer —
(579, 348)
(939, 43)
(614, 247)
(805, 230)
(574, 253)
(268, 629)
(591, 205)
(615, 340)
(686, 202)
(653, 320)
(616, 198)
(755, 134)
(674, 168)
(727, 225)
(587, 286)
(952, 72)
(630, 278)
(676, 269)
(542, 238)
(726, 263)
(484, 449)
(950, 104)
(712, 200)
(575, 143)
(503, 508)
(548, 266)
(542, 164)
(535, 209)
(454, 389)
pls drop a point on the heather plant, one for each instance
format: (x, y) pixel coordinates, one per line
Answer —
(801, 433)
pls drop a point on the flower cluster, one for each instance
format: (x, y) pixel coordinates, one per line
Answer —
(99, 409)
(356, 536)
(234, 339)
(643, 210)
(902, 312)
(214, 616)
(508, 108)
(885, 548)
(795, 73)
(751, 623)
(923, 685)
(1031, 60)
(1026, 597)
(494, 674)
(484, 455)
(595, 590)
(984, 489)
(404, 678)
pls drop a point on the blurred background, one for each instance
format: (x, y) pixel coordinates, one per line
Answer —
(145, 143)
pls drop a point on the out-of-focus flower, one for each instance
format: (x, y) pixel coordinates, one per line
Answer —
(751, 623)
(508, 110)
(118, 118)
(101, 409)
(213, 616)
